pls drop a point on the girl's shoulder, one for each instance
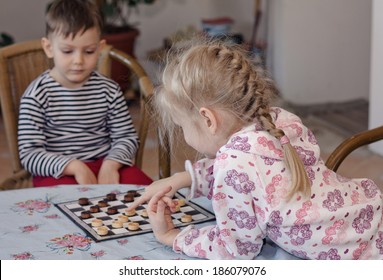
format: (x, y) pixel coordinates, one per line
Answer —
(253, 139)
(282, 116)
(256, 140)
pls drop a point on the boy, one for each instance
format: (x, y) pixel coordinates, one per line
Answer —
(74, 123)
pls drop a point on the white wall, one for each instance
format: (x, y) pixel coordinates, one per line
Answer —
(376, 89)
(24, 19)
(165, 17)
(320, 49)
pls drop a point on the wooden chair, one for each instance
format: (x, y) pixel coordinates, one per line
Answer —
(349, 145)
(21, 63)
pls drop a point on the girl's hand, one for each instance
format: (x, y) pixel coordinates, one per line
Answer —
(160, 217)
(108, 173)
(176, 182)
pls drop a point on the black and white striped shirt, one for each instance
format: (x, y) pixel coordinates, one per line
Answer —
(57, 125)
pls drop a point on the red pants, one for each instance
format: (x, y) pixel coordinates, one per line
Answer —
(128, 175)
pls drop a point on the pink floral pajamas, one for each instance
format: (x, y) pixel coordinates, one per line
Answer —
(248, 183)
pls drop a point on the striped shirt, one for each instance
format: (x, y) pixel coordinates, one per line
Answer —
(57, 125)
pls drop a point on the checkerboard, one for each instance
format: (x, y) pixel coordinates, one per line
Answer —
(73, 210)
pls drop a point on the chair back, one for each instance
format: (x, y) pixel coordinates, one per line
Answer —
(354, 142)
(110, 54)
(20, 64)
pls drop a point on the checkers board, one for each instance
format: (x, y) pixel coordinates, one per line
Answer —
(73, 210)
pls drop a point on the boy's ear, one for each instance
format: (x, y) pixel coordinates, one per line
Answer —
(209, 119)
(47, 46)
(102, 44)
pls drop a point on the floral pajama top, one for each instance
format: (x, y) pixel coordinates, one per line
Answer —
(248, 182)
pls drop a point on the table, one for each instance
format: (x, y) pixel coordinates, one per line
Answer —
(32, 227)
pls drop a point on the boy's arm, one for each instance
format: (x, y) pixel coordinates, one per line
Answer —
(108, 173)
(80, 171)
(31, 141)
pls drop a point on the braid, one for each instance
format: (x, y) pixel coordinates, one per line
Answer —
(268, 124)
(257, 90)
(258, 95)
(300, 179)
(247, 89)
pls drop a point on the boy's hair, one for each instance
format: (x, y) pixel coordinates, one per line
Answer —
(219, 74)
(69, 17)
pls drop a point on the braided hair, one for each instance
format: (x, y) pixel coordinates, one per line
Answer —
(216, 73)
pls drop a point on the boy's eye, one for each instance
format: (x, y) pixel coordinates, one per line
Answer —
(90, 51)
(66, 51)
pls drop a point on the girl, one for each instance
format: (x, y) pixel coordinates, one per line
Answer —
(262, 168)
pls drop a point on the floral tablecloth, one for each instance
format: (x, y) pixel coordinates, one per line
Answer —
(32, 227)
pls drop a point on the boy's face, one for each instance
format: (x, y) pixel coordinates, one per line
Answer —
(74, 58)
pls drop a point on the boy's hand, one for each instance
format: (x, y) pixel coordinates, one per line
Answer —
(160, 217)
(81, 172)
(108, 173)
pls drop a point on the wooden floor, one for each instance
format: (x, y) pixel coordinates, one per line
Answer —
(329, 127)
(346, 118)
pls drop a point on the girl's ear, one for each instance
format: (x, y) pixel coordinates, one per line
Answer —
(209, 119)
(47, 46)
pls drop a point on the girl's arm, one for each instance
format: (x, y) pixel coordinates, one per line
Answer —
(200, 185)
(159, 211)
(202, 178)
(177, 181)
(239, 229)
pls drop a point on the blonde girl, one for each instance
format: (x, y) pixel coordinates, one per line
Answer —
(261, 169)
